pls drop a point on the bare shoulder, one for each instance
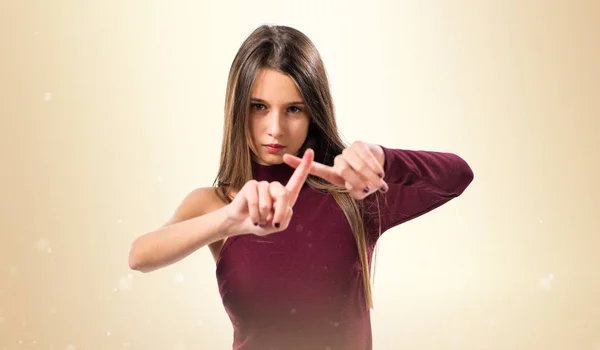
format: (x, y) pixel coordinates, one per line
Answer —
(198, 202)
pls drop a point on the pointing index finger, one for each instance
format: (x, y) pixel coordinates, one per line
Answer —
(299, 176)
(323, 171)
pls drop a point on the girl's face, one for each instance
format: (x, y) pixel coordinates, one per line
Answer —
(277, 116)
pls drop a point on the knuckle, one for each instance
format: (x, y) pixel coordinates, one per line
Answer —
(276, 189)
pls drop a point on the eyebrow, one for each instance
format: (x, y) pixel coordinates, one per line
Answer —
(263, 101)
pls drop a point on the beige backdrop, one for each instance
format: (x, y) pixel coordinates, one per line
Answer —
(111, 112)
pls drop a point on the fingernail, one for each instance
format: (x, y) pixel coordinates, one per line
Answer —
(384, 188)
(366, 190)
(380, 175)
(262, 225)
(277, 224)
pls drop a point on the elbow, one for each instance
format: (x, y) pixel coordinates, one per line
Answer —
(464, 178)
(134, 260)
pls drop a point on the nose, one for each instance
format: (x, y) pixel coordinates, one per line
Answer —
(275, 124)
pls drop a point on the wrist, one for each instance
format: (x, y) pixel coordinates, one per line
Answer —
(231, 226)
(378, 152)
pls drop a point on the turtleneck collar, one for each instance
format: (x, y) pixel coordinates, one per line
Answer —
(277, 172)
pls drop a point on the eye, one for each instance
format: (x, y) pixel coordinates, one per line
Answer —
(295, 109)
(257, 106)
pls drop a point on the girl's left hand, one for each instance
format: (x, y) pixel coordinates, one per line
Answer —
(359, 168)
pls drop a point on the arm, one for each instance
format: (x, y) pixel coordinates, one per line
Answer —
(419, 182)
(190, 228)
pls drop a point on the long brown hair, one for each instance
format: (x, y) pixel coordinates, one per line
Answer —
(290, 52)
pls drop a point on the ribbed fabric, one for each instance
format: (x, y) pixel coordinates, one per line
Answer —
(302, 288)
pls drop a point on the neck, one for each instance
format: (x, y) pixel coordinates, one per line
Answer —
(272, 172)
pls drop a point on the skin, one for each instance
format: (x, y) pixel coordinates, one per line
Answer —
(278, 116)
(273, 121)
(359, 168)
(275, 118)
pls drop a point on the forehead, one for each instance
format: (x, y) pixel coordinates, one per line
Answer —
(274, 86)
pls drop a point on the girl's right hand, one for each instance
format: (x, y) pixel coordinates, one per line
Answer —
(265, 207)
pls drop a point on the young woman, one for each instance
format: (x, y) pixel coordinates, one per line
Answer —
(295, 214)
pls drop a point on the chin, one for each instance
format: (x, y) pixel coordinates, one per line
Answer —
(271, 159)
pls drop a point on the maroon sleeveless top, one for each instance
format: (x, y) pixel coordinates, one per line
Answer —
(302, 288)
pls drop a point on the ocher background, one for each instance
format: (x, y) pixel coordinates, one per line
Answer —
(112, 112)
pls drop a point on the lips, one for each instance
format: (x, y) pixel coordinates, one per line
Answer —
(274, 148)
